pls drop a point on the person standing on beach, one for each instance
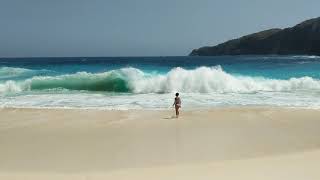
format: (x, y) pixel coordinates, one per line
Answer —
(177, 104)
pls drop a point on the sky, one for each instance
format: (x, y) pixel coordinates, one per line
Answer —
(61, 28)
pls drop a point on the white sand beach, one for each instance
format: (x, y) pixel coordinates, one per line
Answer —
(221, 143)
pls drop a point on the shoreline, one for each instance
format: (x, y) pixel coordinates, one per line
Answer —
(168, 109)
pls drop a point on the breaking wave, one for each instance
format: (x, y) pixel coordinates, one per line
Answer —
(132, 80)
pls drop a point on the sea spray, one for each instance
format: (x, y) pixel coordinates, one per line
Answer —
(10, 87)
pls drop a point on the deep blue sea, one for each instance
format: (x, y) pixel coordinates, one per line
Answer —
(150, 82)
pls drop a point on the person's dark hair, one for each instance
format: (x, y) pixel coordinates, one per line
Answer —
(177, 94)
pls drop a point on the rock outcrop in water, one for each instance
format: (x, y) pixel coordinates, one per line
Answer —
(302, 39)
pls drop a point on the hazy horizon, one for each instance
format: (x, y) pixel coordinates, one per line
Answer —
(78, 28)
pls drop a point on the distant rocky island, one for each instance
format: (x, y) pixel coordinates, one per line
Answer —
(302, 39)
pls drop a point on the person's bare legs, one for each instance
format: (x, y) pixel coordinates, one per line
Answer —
(177, 112)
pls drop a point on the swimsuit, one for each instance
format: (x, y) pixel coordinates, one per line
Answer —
(177, 102)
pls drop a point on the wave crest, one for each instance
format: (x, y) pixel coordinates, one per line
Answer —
(199, 80)
(214, 79)
(9, 72)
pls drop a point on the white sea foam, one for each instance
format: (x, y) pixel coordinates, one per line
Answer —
(10, 87)
(131, 80)
(200, 87)
(159, 101)
(214, 79)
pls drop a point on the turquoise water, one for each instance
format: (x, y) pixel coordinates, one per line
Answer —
(150, 82)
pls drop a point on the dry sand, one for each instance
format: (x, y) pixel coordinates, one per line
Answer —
(221, 143)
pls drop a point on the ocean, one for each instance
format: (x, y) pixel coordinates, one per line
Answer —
(124, 83)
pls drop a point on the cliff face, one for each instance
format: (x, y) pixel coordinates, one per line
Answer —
(302, 39)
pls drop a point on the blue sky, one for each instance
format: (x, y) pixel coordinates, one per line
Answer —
(33, 28)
